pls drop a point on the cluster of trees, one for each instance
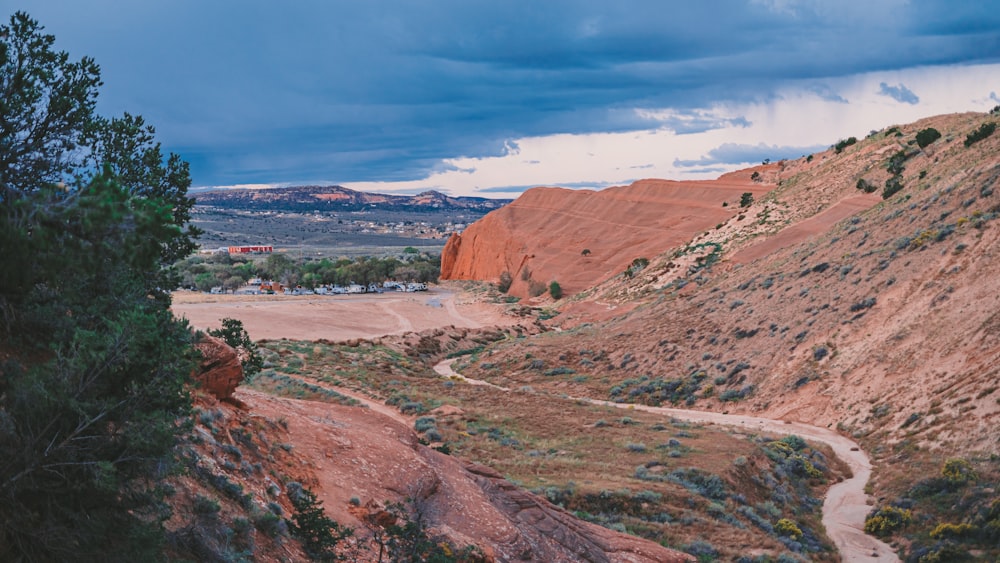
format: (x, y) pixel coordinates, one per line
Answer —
(93, 365)
(232, 271)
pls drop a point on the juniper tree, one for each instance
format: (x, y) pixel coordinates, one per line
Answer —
(93, 365)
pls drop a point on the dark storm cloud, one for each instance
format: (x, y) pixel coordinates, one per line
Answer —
(261, 91)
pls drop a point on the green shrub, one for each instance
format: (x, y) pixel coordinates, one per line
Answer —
(701, 549)
(319, 534)
(786, 527)
(927, 136)
(886, 520)
(270, 524)
(984, 131)
(746, 199)
(892, 186)
(896, 161)
(843, 144)
(637, 266)
(555, 290)
(424, 423)
(205, 505)
(957, 472)
(866, 186)
(233, 334)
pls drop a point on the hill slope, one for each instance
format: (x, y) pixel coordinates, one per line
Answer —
(825, 305)
(583, 237)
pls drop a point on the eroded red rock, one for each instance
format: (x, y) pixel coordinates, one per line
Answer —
(582, 237)
(219, 371)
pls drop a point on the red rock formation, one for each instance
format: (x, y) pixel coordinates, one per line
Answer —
(219, 371)
(543, 235)
(374, 455)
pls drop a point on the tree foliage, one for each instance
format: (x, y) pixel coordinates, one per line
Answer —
(843, 144)
(984, 131)
(204, 273)
(233, 333)
(927, 136)
(555, 290)
(94, 365)
(319, 534)
(402, 535)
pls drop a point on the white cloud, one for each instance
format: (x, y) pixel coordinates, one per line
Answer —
(797, 114)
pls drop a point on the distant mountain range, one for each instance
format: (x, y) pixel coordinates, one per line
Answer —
(339, 198)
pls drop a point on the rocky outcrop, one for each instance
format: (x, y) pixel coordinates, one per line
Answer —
(582, 237)
(549, 533)
(372, 455)
(219, 371)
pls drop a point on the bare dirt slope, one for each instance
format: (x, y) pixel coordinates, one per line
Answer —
(582, 237)
(833, 307)
(369, 455)
(876, 318)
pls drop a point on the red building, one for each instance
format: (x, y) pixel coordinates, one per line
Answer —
(251, 249)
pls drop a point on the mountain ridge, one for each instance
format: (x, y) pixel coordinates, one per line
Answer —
(337, 198)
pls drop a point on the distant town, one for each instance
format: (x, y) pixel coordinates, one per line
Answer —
(258, 286)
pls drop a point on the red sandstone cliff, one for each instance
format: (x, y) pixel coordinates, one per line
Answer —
(543, 235)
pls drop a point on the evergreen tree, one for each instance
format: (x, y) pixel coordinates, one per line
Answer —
(233, 334)
(93, 365)
(319, 534)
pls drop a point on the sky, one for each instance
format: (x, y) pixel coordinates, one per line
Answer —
(489, 98)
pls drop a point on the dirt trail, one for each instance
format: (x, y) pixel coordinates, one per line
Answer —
(444, 369)
(846, 503)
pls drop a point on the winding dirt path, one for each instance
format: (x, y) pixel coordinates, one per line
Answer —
(445, 370)
(846, 503)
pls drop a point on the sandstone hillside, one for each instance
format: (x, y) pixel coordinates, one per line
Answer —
(581, 237)
(820, 303)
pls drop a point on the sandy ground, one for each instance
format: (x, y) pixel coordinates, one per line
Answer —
(846, 504)
(802, 230)
(337, 317)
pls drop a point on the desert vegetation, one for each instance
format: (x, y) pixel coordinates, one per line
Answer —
(92, 384)
(984, 131)
(844, 143)
(669, 481)
(232, 271)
